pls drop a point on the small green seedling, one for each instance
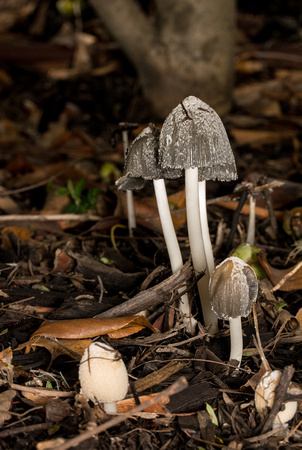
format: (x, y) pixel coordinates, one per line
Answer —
(81, 200)
(212, 414)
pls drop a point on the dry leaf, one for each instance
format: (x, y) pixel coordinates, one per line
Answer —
(62, 262)
(299, 318)
(283, 279)
(5, 405)
(74, 348)
(87, 328)
(22, 234)
(129, 403)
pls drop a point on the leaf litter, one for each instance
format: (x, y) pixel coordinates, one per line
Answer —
(64, 269)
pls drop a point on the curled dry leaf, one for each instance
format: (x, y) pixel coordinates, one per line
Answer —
(74, 348)
(116, 328)
(283, 279)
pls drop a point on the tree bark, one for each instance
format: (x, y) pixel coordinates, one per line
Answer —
(187, 49)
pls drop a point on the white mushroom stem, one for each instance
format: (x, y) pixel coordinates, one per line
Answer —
(129, 193)
(197, 247)
(250, 238)
(110, 408)
(236, 339)
(205, 227)
(172, 246)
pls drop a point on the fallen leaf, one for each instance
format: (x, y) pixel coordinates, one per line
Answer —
(22, 234)
(74, 348)
(62, 262)
(5, 405)
(299, 318)
(283, 279)
(129, 403)
(116, 328)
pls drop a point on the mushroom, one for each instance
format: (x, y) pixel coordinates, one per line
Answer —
(124, 126)
(233, 289)
(265, 397)
(141, 165)
(103, 376)
(193, 138)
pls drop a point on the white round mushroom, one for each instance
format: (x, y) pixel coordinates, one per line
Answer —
(103, 376)
(265, 397)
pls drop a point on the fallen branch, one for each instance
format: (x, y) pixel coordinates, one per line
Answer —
(151, 297)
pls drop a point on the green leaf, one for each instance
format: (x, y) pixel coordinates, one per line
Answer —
(212, 414)
(62, 191)
(280, 305)
(48, 385)
(78, 189)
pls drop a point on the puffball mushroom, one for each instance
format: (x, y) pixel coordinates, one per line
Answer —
(142, 164)
(233, 289)
(193, 138)
(103, 376)
(265, 397)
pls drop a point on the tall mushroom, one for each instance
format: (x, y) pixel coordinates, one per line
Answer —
(141, 165)
(233, 289)
(193, 138)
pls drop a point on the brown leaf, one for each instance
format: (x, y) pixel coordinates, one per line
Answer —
(299, 318)
(62, 262)
(6, 398)
(129, 403)
(74, 348)
(283, 279)
(87, 328)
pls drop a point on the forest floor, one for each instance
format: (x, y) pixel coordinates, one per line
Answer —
(66, 255)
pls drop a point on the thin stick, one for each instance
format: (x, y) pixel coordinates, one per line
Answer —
(176, 387)
(286, 277)
(260, 349)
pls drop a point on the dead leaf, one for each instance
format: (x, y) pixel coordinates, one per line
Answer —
(87, 328)
(283, 279)
(62, 262)
(22, 234)
(5, 405)
(35, 399)
(129, 403)
(299, 318)
(74, 348)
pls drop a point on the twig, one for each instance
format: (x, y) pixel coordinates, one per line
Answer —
(151, 297)
(49, 217)
(43, 392)
(176, 387)
(258, 343)
(286, 277)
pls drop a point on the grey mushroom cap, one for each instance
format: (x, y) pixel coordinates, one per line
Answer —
(142, 161)
(233, 289)
(193, 135)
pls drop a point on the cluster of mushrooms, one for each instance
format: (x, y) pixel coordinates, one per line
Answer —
(192, 143)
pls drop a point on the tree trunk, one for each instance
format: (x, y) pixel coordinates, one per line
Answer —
(187, 49)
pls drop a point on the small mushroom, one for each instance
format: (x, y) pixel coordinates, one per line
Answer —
(103, 376)
(265, 397)
(233, 289)
(141, 165)
(193, 138)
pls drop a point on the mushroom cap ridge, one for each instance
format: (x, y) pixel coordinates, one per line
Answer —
(193, 135)
(233, 289)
